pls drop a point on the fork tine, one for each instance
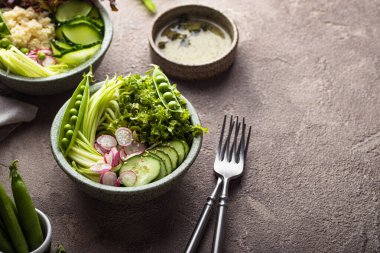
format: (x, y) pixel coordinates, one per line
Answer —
(242, 142)
(232, 153)
(219, 149)
(248, 137)
(227, 143)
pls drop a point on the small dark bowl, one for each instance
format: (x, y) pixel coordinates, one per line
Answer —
(193, 71)
(65, 81)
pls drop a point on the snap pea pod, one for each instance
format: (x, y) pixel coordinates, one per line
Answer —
(5, 242)
(74, 114)
(9, 217)
(27, 214)
(165, 90)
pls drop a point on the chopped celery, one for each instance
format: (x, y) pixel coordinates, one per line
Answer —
(14, 61)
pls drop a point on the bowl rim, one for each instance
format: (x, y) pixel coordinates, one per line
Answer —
(66, 167)
(108, 31)
(47, 240)
(234, 41)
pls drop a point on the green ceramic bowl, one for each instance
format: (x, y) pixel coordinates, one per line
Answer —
(113, 194)
(65, 81)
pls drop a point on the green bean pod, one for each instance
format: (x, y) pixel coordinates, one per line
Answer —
(165, 90)
(74, 113)
(27, 214)
(9, 217)
(5, 242)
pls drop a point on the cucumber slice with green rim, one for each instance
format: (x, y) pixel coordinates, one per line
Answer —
(95, 23)
(82, 34)
(172, 153)
(55, 50)
(186, 146)
(72, 9)
(146, 168)
(62, 45)
(76, 58)
(59, 34)
(94, 13)
(165, 158)
(178, 146)
(162, 166)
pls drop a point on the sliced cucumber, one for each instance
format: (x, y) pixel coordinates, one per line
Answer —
(76, 58)
(95, 23)
(186, 146)
(179, 147)
(146, 168)
(62, 45)
(55, 50)
(162, 166)
(94, 13)
(72, 9)
(165, 158)
(171, 152)
(81, 34)
(59, 34)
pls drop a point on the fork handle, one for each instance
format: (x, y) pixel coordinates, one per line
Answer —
(198, 232)
(220, 223)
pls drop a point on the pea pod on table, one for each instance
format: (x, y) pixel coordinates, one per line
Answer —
(5, 242)
(27, 214)
(165, 90)
(74, 114)
(9, 217)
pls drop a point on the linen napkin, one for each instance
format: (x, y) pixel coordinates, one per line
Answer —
(13, 113)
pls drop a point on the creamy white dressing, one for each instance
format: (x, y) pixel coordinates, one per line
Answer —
(193, 41)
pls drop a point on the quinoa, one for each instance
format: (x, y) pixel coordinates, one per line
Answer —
(29, 28)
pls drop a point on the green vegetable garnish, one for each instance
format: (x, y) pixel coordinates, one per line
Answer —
(41, 56)
(18, 63)
(150, 5)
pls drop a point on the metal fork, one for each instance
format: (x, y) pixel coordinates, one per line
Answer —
(229, 164)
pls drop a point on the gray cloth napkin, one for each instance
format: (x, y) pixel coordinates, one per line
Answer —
(13, 113)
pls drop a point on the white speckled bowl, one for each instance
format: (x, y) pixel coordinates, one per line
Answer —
(47, 232)
(113, 194)
(65, 81)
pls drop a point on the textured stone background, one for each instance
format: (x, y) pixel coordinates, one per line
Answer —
(306, 77)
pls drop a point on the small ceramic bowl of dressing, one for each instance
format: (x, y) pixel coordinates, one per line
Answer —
(193, 42)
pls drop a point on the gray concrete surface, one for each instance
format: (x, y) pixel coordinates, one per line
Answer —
(306, 78)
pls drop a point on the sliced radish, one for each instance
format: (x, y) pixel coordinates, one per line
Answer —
(108, 158)
(108, 178)
(99, 149)
(48, 61)
(123, 155)
(46, 52)
(123, 136)
(118, 182)
(134, 148)
(115, 156)
(106, 142)
(100, 167)
(128, 178)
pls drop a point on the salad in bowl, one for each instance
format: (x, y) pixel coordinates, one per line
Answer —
(45, 45)
(133, 133)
